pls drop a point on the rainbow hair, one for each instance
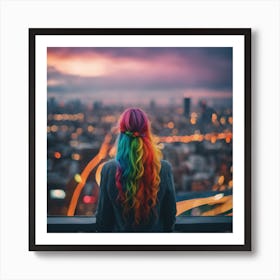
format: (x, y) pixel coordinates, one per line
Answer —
(137, 176)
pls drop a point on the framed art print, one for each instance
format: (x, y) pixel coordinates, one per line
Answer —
(195, 87)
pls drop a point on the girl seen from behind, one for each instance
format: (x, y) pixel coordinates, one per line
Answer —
(136, 189)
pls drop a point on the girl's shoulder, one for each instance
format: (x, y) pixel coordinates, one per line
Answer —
(165, 165)
(110, 164)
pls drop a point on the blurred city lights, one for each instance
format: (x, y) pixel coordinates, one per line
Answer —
(54, 128)
(57, 155)
(89, 199)
(85, 173)
(109, 119)
(170, 125)
(74, 143)
(90, 128)
(193, 121)
(213, 139)
(66, 117)
(79, 131)
(183, 128)
(161, 146)
(207, 137)
(78, 178)
(64, 128)
(221, 180)
(76, 156)
(74, 135)
(194, 115)
(223, 120)
(197, 137)
(218, 196)
(57, 194)
(228, 139)
(214, 118)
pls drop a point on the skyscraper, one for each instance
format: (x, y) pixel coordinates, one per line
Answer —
(187, 104)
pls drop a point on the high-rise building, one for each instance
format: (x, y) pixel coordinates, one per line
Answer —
(52, 105)
(187, 105)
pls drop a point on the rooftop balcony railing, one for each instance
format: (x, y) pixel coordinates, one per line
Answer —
(183, 224)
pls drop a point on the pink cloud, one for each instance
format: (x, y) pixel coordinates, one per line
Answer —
(164, 66)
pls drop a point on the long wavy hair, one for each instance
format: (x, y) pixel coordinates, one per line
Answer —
(139, 163)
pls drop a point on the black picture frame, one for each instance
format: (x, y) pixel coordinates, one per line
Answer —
(243, 32)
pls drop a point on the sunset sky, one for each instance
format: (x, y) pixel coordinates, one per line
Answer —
(138, 75)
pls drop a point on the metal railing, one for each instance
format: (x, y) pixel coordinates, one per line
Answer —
(183, 224)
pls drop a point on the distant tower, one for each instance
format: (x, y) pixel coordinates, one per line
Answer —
(52, 105)
(97, 105)
(152, 104)
(187, 105)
